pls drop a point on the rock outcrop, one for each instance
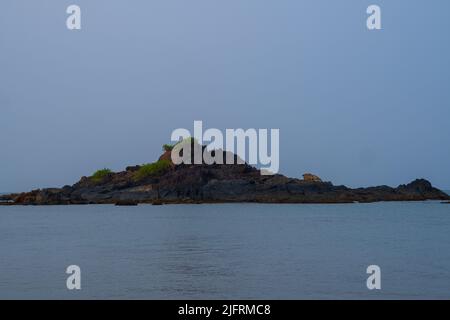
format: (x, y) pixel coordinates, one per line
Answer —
(311, 177)
(215, 184)
(166, 156)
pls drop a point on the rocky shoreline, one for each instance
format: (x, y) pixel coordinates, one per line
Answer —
(165, 183)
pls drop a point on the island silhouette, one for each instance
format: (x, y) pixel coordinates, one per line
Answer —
(163, 182)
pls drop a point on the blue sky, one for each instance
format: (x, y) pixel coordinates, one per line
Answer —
(353, 106)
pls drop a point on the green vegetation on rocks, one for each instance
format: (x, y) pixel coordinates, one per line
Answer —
(99, 175)
(152, 169)
(167, 147)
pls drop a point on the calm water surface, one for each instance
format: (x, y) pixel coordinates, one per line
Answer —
(226, 251)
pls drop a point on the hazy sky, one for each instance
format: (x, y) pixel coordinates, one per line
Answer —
(353, 106)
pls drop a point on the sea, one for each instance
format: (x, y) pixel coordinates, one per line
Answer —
(226, 251)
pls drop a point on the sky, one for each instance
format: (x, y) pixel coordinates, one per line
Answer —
(354, 106)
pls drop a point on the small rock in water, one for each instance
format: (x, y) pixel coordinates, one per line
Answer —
(126, 203)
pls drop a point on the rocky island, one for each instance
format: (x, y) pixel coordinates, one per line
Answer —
(162, 182)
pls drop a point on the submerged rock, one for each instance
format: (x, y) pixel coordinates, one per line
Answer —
(126, 203)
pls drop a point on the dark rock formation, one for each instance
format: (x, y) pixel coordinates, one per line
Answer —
(7, 199)
(214, 184)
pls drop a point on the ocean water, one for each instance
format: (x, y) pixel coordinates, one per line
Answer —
(226, 251)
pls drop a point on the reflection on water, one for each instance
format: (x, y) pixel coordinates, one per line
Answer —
(226, 251)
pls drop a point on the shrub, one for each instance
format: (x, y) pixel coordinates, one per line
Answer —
(99, 175)
(168, 147)
(152, 169)
(187, 140)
